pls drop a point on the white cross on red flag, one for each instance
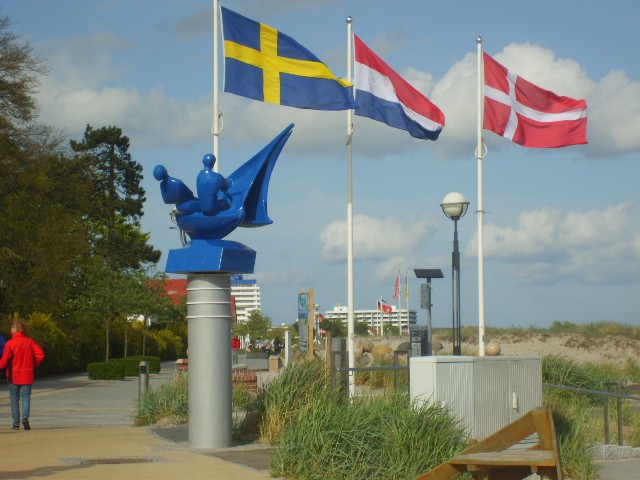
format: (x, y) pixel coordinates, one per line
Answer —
(529, 115)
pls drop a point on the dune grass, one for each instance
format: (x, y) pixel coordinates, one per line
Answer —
(323, 435)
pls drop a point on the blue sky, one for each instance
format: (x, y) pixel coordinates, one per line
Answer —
(562, 229)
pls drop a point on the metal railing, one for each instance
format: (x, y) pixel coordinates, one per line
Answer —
(340, 369)
(607, 395)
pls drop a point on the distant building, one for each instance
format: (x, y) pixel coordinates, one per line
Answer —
(400, 318)
(176, 289)
(245, 294)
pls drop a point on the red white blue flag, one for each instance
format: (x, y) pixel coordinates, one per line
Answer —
(529, 115)
(384, 307)
(385, 96)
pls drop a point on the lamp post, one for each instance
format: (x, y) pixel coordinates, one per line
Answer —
(454, 206)
(425, 298)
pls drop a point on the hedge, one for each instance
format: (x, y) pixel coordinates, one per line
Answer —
(119, 368)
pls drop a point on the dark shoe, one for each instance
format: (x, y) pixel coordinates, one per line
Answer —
(16, 427)
(25, 424)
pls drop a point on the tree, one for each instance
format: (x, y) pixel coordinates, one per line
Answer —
(44, 238)
(114, 296)
(361, 328)
(118, 199)
(257, 326)
(336, 327)
(19, 72)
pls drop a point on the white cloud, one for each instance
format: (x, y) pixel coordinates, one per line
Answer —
(375, 238)
(83, 71)
(149, 118)
(549, 245)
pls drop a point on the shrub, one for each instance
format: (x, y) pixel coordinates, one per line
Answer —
(132, 365)
(170, 400)
(113, 370)
(291, 391)
(378, 437)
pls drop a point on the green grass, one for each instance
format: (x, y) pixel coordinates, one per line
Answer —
(168, 401)
(321, 434)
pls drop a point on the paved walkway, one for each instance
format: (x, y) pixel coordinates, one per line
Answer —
(82, 430)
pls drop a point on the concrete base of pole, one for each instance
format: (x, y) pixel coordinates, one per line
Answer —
(209, 317)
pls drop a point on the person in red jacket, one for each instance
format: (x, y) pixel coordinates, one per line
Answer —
(20, 358)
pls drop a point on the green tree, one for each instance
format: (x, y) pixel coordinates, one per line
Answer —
(118, 199)
(361, 328)
(112, 296)
(41, 193)
(257, 326)
(19, 80)
(44, 239)
(336, 327)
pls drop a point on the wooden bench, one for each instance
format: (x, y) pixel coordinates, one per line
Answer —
(500, 456)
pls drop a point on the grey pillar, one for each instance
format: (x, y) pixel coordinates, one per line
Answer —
(209, 317)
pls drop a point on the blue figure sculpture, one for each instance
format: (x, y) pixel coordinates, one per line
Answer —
(222, 205)
(212, 188)
(175, 191)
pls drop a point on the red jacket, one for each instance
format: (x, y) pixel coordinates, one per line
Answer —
(21, 355)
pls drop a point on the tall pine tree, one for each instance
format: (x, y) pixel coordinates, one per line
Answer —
(118, 199)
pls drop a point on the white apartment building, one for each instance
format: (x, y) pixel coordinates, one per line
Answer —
(400, 318)
(246, 295)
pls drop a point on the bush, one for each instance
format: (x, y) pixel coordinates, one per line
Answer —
(118, 368)
(324, 435)
(291, 391)
(132, 365)
(170, 400)
(112, 370)
(378, 437)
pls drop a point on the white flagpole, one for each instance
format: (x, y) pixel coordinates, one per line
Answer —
(350, 276)
(406, 297)
(215, 129)
(479, 155)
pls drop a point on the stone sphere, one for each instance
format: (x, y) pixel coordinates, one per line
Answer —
(492, 349)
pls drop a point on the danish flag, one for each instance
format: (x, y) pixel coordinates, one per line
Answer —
(529, 115)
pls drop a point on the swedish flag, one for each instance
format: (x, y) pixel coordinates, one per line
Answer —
(264, 64)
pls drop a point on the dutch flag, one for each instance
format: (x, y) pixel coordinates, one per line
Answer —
(385, 96)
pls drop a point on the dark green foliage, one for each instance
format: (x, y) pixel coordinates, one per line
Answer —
(336, 327)
(113, 370)
(73, 257)
(118, 199)
(132, 365)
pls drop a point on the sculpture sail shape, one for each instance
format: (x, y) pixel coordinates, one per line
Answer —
(255, 202)
(246, 197)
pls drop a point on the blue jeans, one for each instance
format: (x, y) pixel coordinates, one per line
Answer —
(20, 392)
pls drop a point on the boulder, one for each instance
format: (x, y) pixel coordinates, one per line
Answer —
(492, 349)
(380, 351)
(364, 344)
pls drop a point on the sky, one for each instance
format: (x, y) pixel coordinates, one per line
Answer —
(561, 228)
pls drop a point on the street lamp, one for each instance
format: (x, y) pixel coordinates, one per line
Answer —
(425, 298)
(454, 206)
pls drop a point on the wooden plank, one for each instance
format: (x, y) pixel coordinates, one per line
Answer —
(491, 453)
(540, 458)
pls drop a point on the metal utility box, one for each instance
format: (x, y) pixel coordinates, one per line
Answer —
(486, 393)
(420, 344)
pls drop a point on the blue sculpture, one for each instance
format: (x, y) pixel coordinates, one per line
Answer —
(222, 205)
